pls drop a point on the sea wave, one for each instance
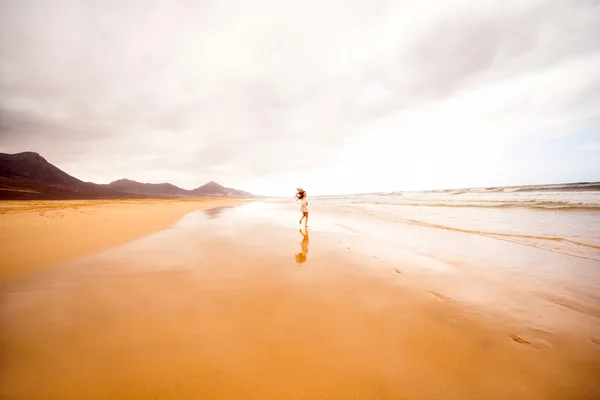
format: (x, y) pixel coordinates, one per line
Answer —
(566, 246)
(536, 204)
(580, 244)
(566, 187)
(567, 197)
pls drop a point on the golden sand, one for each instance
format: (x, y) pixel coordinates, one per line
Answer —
(246, 317)
(37, 234)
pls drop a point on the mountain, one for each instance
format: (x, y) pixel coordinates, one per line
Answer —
(211, 189)
(150, 189)
(214, 189)
(31, 166)
(29, 176)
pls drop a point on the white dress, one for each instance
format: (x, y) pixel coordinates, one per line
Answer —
(304, 206)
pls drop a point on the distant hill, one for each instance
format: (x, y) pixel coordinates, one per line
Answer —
(214, 189)
(29, 176)
(211, 189)
(149, 189)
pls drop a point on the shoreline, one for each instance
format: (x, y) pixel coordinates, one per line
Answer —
(36, 234)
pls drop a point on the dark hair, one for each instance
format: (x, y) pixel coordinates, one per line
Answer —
(301, 195)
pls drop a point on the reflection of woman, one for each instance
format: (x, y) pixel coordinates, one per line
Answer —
(301, 257)
(304, 206)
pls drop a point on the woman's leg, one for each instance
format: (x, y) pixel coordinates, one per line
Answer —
(306, 222)
(303, 215)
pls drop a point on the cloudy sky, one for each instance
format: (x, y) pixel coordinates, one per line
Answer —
(335, 96)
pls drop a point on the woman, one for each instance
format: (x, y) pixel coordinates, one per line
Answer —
(304, 206)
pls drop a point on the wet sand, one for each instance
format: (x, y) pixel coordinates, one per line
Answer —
(232, 303)
(37, 234)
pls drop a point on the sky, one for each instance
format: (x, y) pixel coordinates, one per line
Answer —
(337, 96)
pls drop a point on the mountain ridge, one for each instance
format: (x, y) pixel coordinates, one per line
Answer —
(28, 175)
(211, 189)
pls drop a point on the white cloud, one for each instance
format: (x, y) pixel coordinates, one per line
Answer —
(337, 96)
(590, 147)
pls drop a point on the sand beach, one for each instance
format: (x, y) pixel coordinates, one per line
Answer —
(239, 302)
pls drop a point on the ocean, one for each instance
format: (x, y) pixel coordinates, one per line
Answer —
(563, 219)
(540, 240)
(585, 196)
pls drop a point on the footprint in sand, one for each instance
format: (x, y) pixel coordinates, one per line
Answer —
(519, 339)
(399, 271)
(594, 340)
(440, 297)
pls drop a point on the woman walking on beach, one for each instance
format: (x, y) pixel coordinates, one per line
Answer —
(304, 206)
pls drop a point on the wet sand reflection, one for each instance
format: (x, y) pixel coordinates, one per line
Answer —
(301, 257)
